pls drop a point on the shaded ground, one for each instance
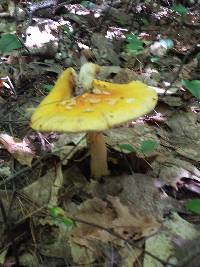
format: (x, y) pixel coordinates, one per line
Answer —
(52, 212)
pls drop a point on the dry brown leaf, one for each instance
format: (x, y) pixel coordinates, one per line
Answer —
(94, 211)
(131, 225)
(81, 255)
(139, 192)
(162, 244)
(126, 224)
(171, 170)
(132, 209)
(184, 134)
(44, 190)
(130, 256)
(19, 149)
(105, 48)
(67, 145)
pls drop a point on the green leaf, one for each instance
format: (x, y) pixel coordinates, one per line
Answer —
(194, 206)
(56, 212)
(3, 256)
(198, 56)
(85, 3)
(68, 31)
(67, 222)
(47, 87)
(167, 43)
(9, 42)
(193, 87)
(148, 146)
(134, 44)
(88, 4)
(144, 21)
(126, 147)
(59, 215)
(155, 59)
(180, 9)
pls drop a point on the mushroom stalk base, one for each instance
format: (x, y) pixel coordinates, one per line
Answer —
(98, 154)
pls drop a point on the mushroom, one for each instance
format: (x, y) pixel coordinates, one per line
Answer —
(104, 106)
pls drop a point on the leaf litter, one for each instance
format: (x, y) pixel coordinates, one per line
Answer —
(129, 218)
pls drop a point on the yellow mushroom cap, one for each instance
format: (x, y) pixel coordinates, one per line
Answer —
(63, 89)
(106, 106)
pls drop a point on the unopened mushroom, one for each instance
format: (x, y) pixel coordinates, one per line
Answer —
(106, 105)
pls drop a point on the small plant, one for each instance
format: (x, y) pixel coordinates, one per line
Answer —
(194, 206)
(134, 44)
(9, 42)
(59, 217)
(47, 87)
(193, 87)
(148, 146)
(88, 4)
(180, 9)
(145, 147)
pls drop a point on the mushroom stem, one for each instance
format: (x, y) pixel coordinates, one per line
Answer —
(98, 154)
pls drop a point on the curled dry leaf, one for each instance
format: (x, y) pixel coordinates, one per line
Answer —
(171, 170)
(19, 149)
(120, 209)
(97, 212)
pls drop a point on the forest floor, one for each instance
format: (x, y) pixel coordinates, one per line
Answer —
(146, 212)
